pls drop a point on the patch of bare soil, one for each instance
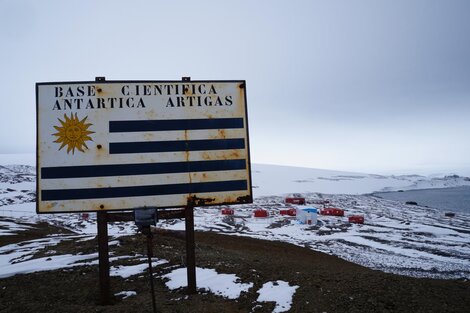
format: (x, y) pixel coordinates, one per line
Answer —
(36, 231)
(326, 283)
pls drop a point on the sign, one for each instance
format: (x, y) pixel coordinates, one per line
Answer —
(116, 145)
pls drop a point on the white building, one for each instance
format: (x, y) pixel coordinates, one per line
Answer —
(307, 215)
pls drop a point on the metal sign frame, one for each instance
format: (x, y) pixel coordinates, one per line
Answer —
(204, 119)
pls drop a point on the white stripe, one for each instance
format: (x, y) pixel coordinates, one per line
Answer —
(177, 135)
(134, 202)
(102, 157)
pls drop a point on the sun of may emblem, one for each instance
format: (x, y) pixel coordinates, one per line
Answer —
(73, 133)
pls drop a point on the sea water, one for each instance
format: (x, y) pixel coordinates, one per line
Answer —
(456, 199)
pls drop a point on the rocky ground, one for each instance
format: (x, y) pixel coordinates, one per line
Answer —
(326, 283)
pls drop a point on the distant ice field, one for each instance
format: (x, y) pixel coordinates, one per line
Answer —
(18, 158)
(456, 199)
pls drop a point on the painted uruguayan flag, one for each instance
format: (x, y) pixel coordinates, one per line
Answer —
(95, 152)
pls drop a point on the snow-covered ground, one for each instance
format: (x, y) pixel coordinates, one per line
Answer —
(399, 238)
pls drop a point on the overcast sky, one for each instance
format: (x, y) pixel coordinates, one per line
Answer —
(368, 86)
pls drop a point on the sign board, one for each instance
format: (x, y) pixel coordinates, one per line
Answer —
(116, 145)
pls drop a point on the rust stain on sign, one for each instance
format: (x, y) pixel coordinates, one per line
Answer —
(101, 154)
(186, 152)
(193, 201)
(221, 133)
(50, 206)
(101, 92)
(229, 155)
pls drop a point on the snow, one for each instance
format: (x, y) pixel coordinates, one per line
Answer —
(43, 264)
(11, 228)
(398, 238)
(131, 270)
(125, 294)
(18, 258)
(27, 211)
(408, 240)
(225, 285)
(230, 287)
(279, 292)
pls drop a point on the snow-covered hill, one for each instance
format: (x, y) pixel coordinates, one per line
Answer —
(271, 180)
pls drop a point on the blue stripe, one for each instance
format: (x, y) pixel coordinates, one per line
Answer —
(176, 145)
(142, 191)
(165, 125)
(141, 169)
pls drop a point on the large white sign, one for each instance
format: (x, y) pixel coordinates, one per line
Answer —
(115, 145)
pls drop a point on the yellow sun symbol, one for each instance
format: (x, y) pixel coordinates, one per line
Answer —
(73, 133)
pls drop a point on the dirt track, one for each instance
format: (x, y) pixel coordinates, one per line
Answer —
(327, 284)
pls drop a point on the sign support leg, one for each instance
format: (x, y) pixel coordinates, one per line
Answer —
(150, 255)
(190, 250)
(103, 251)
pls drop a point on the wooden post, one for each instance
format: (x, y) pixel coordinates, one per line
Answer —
(103, 252)
(103, 248)
(149, 257)
(190, 250)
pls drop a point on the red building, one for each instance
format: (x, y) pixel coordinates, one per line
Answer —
(289, 212)
(357, 219)
(332, 211)
(295, 200)
(227, 211)
(260, 213)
